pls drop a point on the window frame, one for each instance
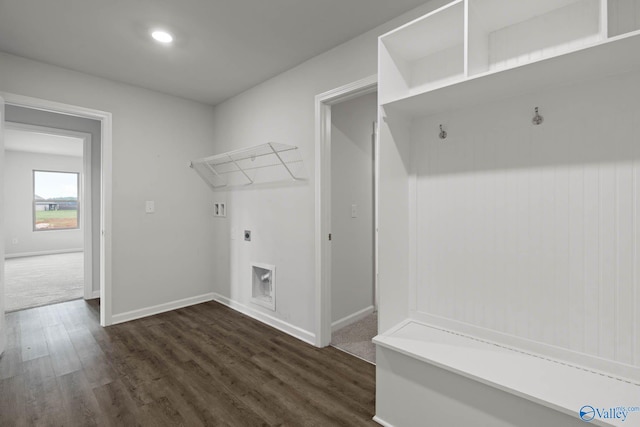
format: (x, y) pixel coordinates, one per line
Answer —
(33, 200)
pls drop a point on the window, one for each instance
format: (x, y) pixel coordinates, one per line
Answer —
(55, 200)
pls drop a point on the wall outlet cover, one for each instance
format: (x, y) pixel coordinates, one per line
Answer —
(220, 209)
(247, 235)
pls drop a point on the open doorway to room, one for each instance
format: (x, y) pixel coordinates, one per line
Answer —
(47, 206)
(60, 119)
(354, 318)
(348, 147)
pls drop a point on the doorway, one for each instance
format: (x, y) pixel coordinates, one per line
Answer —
(48, 216)
(48, 113)
(353, 146)
(346, 147)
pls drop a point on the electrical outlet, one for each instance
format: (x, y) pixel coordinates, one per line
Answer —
(220, 209)
(14, 241)
(247, 235)
(150, 206)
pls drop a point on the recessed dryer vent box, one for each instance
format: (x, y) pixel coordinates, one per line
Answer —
(263, 279)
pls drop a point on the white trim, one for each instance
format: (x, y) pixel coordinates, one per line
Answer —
(40, 253)
(376, 212)
(352, 318)
(95, 295)
(106, 158)
(3, 326)
(87, 216)
(382, 422)
(278, 324)
(323, 103)
(160, 308)
(85, 193)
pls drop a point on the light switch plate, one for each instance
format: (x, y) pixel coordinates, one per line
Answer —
(150, 206)
(354, 211)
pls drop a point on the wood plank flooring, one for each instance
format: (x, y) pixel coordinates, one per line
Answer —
(201, 365)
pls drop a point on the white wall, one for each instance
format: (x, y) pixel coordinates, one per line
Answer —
(18, 204)
(165, 256)
(352, 252)
(282, 110)
(531, 231)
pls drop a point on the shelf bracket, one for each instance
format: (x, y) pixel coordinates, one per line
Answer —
(212, 170)
(282, 161)
(240, 169)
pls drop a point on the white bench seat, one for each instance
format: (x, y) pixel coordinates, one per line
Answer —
(553, 384)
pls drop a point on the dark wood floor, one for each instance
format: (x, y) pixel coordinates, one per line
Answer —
(201, 365)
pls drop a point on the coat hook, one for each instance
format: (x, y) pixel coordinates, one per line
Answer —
(443, 133)
(537, 119)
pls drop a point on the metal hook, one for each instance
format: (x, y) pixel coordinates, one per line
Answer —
(443, 133)
(537, 119)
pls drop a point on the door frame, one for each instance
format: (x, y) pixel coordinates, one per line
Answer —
(323, 103)
(85, 194)
(106, 162)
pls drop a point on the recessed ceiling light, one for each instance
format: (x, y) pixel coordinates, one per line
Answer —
(162, 36)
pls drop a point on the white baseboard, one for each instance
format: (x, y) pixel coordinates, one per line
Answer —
(352, 318)
(382, 422)
(160, 308)
(281, 325)
(26, 254)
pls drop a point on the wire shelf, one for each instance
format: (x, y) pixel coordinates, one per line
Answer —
(264, 163)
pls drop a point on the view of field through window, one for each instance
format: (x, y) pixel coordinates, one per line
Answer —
(55, 200)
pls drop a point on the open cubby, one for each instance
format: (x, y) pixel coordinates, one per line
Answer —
(487, 235)
(623, 17)
(505, 34)
(425, 54)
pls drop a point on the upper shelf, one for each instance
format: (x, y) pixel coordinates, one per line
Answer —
(606, 58)
(260, 164)
(473, 51)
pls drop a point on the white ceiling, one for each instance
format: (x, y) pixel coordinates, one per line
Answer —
(222, 47)
(35, 142)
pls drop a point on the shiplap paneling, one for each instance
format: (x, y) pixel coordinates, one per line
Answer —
(532, 230)
(553, 33)
(623, 16)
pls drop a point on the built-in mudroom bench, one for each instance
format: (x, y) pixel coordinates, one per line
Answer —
(431, 376)
(509, 213)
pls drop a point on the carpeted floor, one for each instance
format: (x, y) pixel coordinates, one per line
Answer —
(356, 338)
(41, 280)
